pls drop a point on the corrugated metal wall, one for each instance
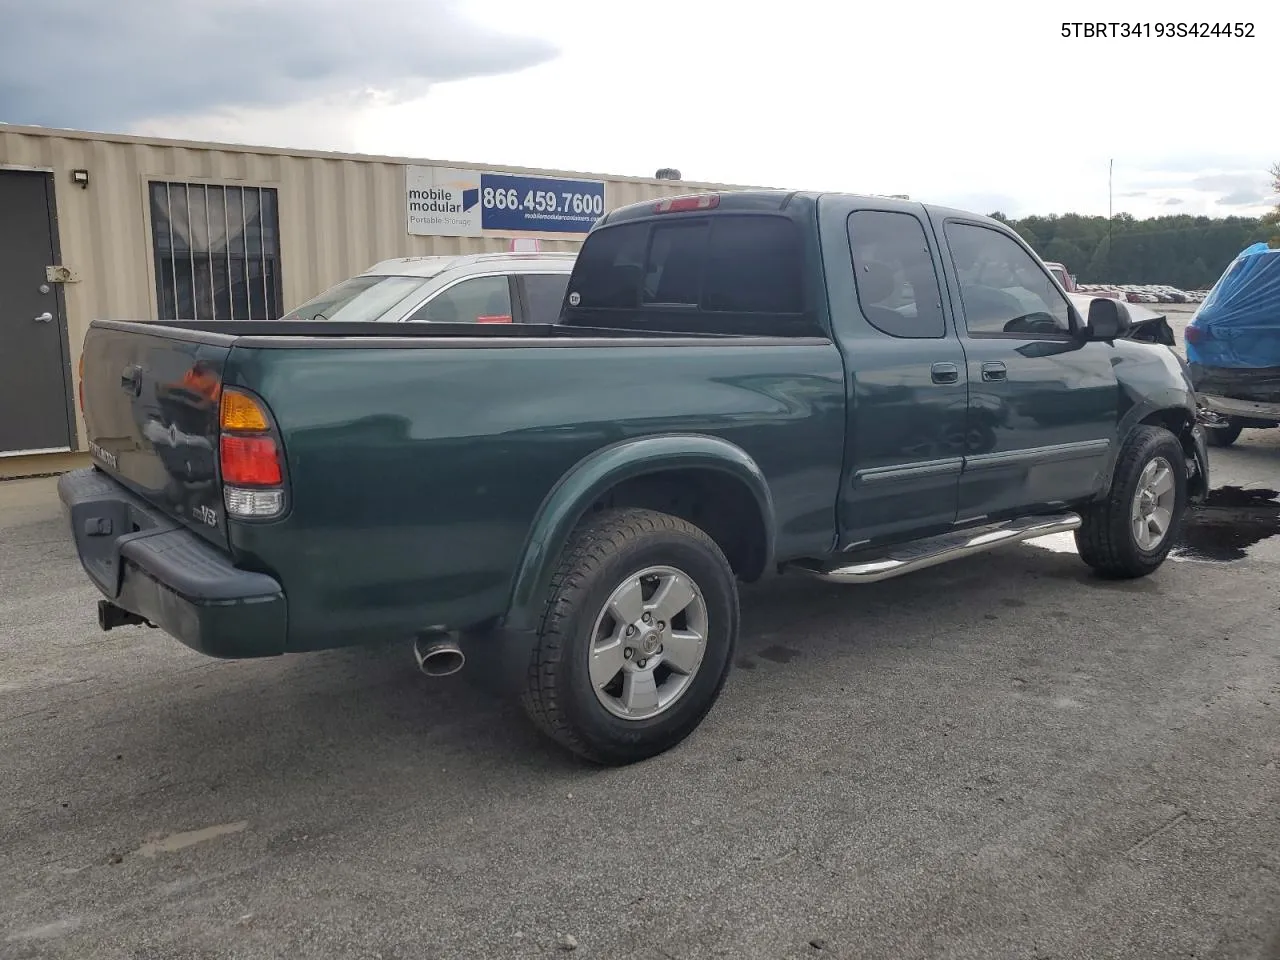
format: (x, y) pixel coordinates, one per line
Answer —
(339, 214)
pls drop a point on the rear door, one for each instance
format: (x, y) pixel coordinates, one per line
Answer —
(905, 368)
(151, 416)
(1043, 406)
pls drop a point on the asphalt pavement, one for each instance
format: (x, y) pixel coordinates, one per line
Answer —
(1004, 757)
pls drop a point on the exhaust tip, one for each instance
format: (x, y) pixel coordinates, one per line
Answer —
(438, 656)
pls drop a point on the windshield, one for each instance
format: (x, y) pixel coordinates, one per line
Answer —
(358, 299)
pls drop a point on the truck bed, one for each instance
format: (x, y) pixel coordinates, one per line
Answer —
(417, 458)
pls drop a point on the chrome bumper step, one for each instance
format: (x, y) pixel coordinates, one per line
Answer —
(921, 554)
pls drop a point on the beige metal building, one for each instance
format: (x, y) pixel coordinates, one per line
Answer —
(119, 227)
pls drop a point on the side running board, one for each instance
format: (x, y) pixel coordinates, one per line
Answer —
(920, 554)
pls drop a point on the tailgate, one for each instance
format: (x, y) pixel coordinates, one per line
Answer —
(150, 401)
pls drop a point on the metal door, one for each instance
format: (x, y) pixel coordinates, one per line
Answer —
(1043, 405)
(33, 366)
(908, 391)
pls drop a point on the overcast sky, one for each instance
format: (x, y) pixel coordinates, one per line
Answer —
(979, 104)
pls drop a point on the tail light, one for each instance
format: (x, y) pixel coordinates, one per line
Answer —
(1194, 334)
(495, 318)
(250, 461)
(699, 201)
(249, 455)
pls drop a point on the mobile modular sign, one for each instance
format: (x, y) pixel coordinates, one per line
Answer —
(446, 202)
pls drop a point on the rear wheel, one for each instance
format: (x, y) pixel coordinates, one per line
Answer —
(637, 637)
(1131, 532)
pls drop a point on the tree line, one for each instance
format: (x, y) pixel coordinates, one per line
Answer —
(1184, 251)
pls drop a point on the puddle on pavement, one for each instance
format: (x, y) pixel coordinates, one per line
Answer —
(1227, 524)
(1220, 530)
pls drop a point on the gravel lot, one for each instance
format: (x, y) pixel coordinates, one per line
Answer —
(1004, 758)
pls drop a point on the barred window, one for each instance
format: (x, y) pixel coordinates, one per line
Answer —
(217, 251)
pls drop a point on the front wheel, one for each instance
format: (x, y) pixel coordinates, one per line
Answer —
(637, 637)
(1131, 532)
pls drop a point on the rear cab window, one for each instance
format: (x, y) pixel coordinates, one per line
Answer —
(725, 273)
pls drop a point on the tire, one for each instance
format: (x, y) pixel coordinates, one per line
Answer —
(1222, 436)
(1108, 539)
(602, 562)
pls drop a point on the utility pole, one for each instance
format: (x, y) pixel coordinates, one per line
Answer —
(1110, 216)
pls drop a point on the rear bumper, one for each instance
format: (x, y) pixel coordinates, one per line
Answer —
(148, 564)
(1250, 395)
(1235, 407)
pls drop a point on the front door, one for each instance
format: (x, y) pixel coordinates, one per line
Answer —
(1043, 405)
(33, 379)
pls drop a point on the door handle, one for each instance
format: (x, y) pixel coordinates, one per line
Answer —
(944, 373)
(993, 371)
(45, 317)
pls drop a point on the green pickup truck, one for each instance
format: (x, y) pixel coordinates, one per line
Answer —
(738, 385)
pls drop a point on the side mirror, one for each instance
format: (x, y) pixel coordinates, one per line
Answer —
(1108, 320)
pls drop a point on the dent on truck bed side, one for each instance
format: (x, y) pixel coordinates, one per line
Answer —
(604, 469)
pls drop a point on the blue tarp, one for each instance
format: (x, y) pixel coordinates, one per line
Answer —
(1238, 325)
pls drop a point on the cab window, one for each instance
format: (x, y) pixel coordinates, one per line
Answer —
(893, 268)
(1003, 290)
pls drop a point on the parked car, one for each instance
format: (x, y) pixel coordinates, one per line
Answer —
(1062, 275)
(1068, 282)
(1233, 347)
(570, 506)
(474, 288)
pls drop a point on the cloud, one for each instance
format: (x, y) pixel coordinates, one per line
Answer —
(1243, 198)
(1227, 182)
(107, 65)
(292, 126)
(1239, 189)
(1193, 162)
